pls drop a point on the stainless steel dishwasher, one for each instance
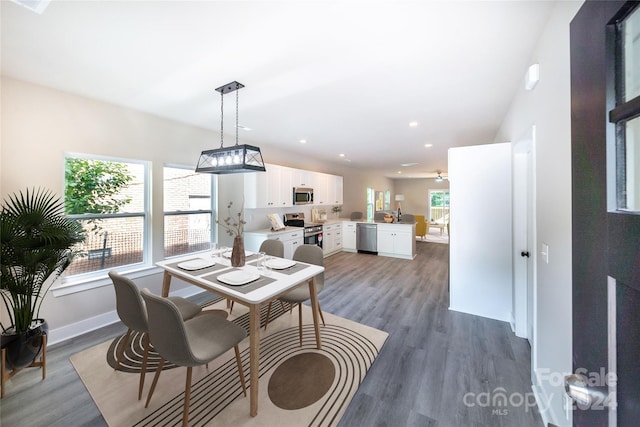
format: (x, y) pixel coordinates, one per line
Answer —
(367, 238)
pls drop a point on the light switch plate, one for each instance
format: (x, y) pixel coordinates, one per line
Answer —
(545, 253)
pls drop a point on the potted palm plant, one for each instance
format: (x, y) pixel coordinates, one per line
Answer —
(36, 241)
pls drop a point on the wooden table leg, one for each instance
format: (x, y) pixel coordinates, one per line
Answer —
(254, 357)
(166, 283)
(315, 310)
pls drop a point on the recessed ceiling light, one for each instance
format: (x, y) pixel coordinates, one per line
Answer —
(404, 165)
(245, 128)
(399, 172)
(413, 124)
(341, 154)
(303, 141)
(428, 145)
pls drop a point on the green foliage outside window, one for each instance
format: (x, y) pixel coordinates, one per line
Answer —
(91, 186)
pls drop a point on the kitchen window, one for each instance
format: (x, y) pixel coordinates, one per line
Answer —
(110, 199)
(188, 211)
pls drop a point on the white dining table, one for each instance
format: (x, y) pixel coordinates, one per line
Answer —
(279, 283)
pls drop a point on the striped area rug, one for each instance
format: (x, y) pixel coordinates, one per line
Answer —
(299, 386)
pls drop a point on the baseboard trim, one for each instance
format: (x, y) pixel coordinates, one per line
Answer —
(549, 417)
(67, 332)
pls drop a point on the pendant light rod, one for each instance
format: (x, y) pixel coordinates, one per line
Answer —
(235, 159)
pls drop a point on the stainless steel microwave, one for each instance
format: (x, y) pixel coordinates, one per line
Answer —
(302, 196)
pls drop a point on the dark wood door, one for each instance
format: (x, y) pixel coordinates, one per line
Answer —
(606, 240)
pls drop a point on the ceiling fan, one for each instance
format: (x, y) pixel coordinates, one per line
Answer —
(439, 178)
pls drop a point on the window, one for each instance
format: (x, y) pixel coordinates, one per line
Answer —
(370, 198)
(110, 198)
(626, 114)
(439, 206)
(187, 211)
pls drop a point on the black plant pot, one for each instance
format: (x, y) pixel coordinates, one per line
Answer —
(23, 348)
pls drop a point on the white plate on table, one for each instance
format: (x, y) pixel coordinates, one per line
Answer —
(238, 277)
(280, 263)
(196, 264)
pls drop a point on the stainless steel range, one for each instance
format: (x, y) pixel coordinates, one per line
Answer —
(312, 230)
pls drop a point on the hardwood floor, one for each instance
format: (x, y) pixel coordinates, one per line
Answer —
(437, 368)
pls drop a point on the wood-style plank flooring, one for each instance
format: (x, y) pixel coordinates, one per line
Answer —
(437, 368)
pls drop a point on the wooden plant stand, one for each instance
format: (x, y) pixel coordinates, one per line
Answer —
(41, 364)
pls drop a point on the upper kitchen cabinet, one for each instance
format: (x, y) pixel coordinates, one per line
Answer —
(301, 178)
(327, 189)
(274, 188)
(337, 187)
(269, 189)
(320, 192)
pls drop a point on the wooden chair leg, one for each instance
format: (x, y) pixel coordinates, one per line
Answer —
(155, 381)
(300, 323)
(187, 397)
(143, 369)
(121, 351)
(240, 370)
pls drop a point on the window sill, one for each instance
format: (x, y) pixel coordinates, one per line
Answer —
(73, 286)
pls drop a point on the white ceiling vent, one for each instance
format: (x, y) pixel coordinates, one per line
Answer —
(37, 6)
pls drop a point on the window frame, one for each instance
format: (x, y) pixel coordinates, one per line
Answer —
(94, 279)
(620, 112)
(212, 208)
(444, 200)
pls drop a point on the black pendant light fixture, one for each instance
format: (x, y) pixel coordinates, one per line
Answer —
(239, 158)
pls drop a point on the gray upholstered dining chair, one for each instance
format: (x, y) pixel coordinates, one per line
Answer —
(311, 254)
(189, 343)
(133, 314)
(272, 247)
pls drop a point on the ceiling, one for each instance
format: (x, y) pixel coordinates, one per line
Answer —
(346, 76)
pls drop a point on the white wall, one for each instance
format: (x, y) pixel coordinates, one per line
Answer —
(548, 107)
(480, 255)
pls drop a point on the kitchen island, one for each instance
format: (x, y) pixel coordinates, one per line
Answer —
(393, 239)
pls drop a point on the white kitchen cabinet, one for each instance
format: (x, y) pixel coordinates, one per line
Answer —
(349, 236)
(331, 238)
(292, 237)
(274, 188)
(270, 189)
(397, 240)
(302, 178)
(327, 189)
(320, 189)
(291, 242)
(337, 189)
